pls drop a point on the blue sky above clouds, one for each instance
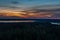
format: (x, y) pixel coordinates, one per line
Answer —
(28, 3)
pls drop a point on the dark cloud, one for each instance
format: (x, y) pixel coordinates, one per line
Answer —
(4, 17)
(14, 7)
(30, 0)
(14, 2)
(46, 8)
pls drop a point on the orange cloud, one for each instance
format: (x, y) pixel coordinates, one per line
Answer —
(24, 14)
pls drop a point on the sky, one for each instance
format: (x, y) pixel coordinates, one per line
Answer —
(14, 8)
(27, 3)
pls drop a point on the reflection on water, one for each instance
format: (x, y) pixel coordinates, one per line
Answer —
(16, 21)
(55, 23)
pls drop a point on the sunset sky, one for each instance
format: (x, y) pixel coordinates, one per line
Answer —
(29, 9)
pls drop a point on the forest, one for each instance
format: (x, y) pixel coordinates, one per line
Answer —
(29, 31)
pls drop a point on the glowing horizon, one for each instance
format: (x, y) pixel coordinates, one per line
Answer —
(30, 9)
(24, 14)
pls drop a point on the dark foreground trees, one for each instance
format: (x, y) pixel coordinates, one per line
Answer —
(29, 31)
